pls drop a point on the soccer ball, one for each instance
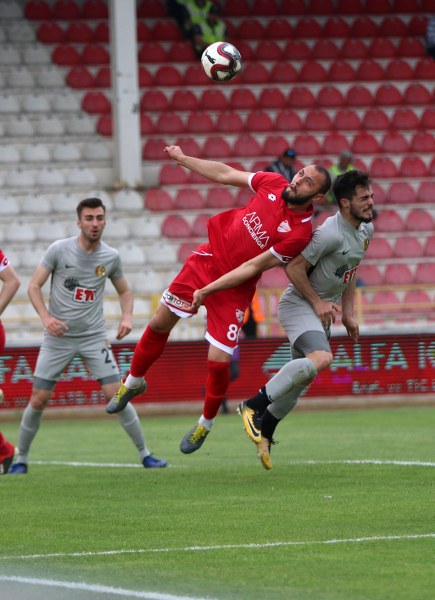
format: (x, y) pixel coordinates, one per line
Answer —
(221, 61)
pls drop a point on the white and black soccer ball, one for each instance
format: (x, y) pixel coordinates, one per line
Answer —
(221, 61)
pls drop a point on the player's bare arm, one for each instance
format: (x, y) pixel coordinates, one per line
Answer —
(52, 325)
(347, 308)
(297, 271)
(11, 283)
(215, 171)
(239, 275)
(126, 301)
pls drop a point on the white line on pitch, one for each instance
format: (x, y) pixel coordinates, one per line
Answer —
(89, 587)
(374, 538)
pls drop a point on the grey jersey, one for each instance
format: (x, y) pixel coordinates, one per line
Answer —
(78, 279)
(335, 251)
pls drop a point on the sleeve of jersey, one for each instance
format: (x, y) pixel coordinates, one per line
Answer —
(3, 261)
(266, 179)
(49, 259)
(289, 248)
(323, 242)
(116, 271)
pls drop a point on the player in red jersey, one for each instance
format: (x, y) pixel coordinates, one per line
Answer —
(278, 217)
(10, 285)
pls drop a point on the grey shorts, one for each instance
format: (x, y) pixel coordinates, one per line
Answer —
(57, 353)
(303, 327)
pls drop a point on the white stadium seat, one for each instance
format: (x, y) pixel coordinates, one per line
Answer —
(9, 154)
(36, 54)
(49, 124)
(97, 151)
(20, 125)
(65, 202)
(51, 230)
(35, 153)
(161, 253)
(35, 103)
(8, 103)
(132, 254)
(49, 177)
(50, 77)
(144, 227)
(3, 37)
(102, 195)
(36, 204)
(9, 205)
(31, 256)
(10, 9)
(19, 178)
(20, 32)
(9, 55)
(81, 176)
(117, 229)
(20, 231)
(66, 152)
(21, 77)
(79, 124)
(65, 102)
(128, 200)
(147, 281)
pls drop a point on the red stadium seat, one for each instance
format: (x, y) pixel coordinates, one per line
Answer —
(427, 118)
(353, 48)
(265, 7)
(410, 48)
(216, 147)
(102, 33)
(283, 72)
(94, 9)
(301, 97)
(254, 74)
(401, 193)
(166, 30)
(147, 126)
(417, 25)
(191, 147)
(417, 93)
(407, 247)
(185, 250)
(419, 219)
(95, 54)
(398, 274)
(425, 69)
(78, 32)
(105, 125)
(425, 273)
(330, 96)
(157, 199)
(364, 27)
(296, 50)
(220, 198)
(271, 98)
(274, 145)
(274, 278)
(325, 49)
(259, 120)
(50, 33)
(346, 120)
(317, 120)
(237, 8)
(65, 55)
(213, 99)
(429, 249)
(336, 27)
(388, 95)
(199, 225)
(250, 29)
(200, 122)
(143, 33)
(229, 121)
(247, 145)
(175, 226)
(79, 78)
(189, 199)
(96, 103)
(370, 274)
(181, 52)
(364, 143)
(168, 75)
(293, 7)
(379, 193)
(287, 120)
(307, 144)
(417, 302)
(398, 70)
(359, 96)
(405, 118)
(154, 101)
(152, 9)
(152, 52)
(38, 10)
(334, 143)
(431, 169)
(153, 149)
(308, 27)
(341, 70)
(382, 48)
(246, 49)
(312, 71)
(375, 119)
(170, 123)
(172, 174)
(65, 10)
(268, 50)
(349, 7)
(393, 142)
(378, 7)
(392, 26)
(278, 29)
(413, 166)
(184, 100)
(383, 167)
(422, 142)
(243, 99)
(426, 192)
(321, 7)
(379, 248)
(406, 6)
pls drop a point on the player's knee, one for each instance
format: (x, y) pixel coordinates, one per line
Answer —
(321, 359)
(39, 399)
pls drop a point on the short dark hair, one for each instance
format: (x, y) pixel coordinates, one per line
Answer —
(89, 203)
(345, 184)
(327, 183)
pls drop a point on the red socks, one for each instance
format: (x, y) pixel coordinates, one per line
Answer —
(216, 386)
(147, 351)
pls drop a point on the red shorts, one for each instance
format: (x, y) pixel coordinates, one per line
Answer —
(225, 309)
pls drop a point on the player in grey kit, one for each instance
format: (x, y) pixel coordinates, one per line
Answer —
(321, 275)
(74, 324)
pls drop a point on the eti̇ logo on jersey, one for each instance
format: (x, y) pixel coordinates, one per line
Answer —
(100, 271)
(84, 295)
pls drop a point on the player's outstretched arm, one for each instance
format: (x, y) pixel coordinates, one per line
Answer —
(215, 171)
(239, 275)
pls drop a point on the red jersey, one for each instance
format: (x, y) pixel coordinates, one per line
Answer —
(3, 260)
(265, 222)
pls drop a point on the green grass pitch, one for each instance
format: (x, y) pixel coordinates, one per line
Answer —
(346, 513)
